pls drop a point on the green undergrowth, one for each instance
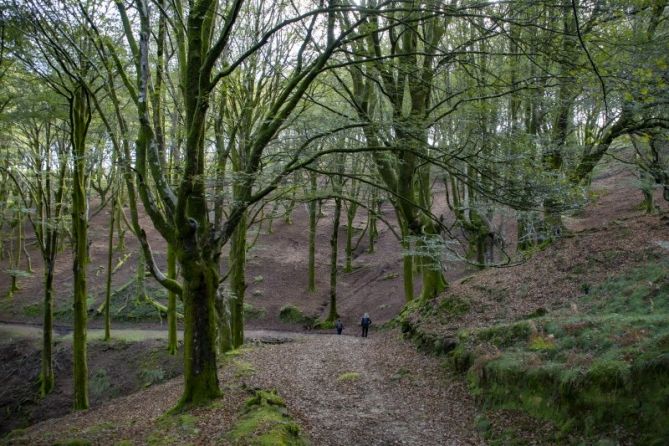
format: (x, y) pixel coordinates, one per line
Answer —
(253, 313)
(590, 372)
(265, 421)
(174, 429)
(126, 305)
(291, 314)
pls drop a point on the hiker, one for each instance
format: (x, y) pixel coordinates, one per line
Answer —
(339, 326)
(365, 322)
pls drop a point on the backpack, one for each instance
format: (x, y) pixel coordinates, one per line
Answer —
(365, 322)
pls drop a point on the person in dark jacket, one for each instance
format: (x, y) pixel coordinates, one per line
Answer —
(365, 322)
(339, 326)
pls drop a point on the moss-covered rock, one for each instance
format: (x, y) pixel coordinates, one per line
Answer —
(265, 422)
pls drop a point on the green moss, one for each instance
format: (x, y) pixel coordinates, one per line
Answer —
(590, 374)
(324, 325)
(454, 306)
(539, 342)
(291, 314)
(265, 422)
(242, 368)
(504, 335)
(253, 313)
(348, 376)
(100, 427)
(173, 429)
(33, 310)
(73, 442)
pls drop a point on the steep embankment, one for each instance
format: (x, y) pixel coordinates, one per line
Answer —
(576, 335)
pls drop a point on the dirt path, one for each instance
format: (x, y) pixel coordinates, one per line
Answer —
(393, 394)
(341, 389)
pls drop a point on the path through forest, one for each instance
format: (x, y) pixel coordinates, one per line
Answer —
(375, 391)
(341, 389)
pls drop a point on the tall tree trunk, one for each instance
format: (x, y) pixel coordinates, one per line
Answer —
(374, 207)
(110, 251)
(200, 281)
(171, 302)
(80, 117)
(350, 215)
(46, 374)
(334, 245)
(311, 273)
(238, 282)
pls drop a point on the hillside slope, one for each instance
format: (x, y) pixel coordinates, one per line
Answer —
(575, 335)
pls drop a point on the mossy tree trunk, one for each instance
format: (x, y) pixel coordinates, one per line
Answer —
(374, 209)
(44, 192)
(80, 118)
(171, 302)
(334, 247)
(313, 220)
(108, 281)
(407, 85)
(238, 282)
(200, 286)
(337, 188)
(182, 217)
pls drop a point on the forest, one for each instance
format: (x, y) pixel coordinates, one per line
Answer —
(195, 194)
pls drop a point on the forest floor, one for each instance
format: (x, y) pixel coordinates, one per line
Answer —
(340, 389)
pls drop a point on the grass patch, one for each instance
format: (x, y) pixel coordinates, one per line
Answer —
(253, 313)
(73, 442)
(348, 377)
(324, 325)
(33, 310)
(590, 373)
(174, 430)
(291, 314)
(151, 376)
(265, 422)
(100, 384)
(242, 368)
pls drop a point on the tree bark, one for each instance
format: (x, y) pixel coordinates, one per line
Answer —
(334, 245)
(171, 302)
(238, 282)
(311, 272)
(80, 117)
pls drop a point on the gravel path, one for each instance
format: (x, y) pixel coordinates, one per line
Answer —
(393, 394)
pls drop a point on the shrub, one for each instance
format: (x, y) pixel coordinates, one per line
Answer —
(291, 314)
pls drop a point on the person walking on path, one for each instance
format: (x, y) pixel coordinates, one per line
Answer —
(365, 322)
(339, 326)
